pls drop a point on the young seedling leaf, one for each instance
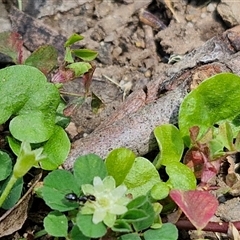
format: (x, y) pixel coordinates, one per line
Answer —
(87, 167)
(198, 206)
(119, 162)
(85, 54)
(56, 224)
(11, 45)
(141, 177)
(180, 176)
(31, 100)
(68, 55)
(56, 185)
(170, 143)
(88, 228)
(168, 231)
(5, 165)
(79, 68)
(44, 59)
(215, 99)
(55, 155)
(73, 39)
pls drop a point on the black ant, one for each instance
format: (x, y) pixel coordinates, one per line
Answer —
(82, 199)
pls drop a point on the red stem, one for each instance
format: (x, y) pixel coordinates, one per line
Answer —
(211, 226)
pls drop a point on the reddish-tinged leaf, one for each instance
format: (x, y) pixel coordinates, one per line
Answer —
(194, 131)
(194, 160)
(11, 44)
(44, 58)
(198, 206)
(63, 75)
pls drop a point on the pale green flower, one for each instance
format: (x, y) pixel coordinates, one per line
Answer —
(110, 200)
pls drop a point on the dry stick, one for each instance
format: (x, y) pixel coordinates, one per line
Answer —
(134, 131)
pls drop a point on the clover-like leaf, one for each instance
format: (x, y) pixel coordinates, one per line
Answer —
(30, 100)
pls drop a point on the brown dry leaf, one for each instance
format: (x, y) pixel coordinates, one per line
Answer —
(14, 218)
(233, 232)
(169, 5)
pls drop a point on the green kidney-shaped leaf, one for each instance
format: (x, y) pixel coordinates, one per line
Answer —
(11, 44)
(56, 185)
(30, 100)
(56, 149)
(5, 165)
(88, 228)
(141, 177)
(85, 54)
(44, 59)
(87, 167)
(119, 162)
(56, 224)
(170, 143)
(215, 99)
(168, 231)
(180, 176)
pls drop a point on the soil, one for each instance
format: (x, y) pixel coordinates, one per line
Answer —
(137, 42)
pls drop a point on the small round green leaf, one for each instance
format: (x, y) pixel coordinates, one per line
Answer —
(119, 162)
(168, 231)
(170, 143)
(30, 100)
(5, 165)
(56, 149)
(87, 167)
(56, 185)
(79, 68)
(56, 224)
(215, 99)
(160, 191)
(88, 228)
(180, 176)
(141, 177)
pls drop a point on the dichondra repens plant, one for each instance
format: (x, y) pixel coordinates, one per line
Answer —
(122, 196)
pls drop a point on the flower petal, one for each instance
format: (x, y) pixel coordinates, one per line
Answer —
(109, 219)
(119, 191)
(99, 215)
(117, 209)
(109, 183)
(88, 189)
